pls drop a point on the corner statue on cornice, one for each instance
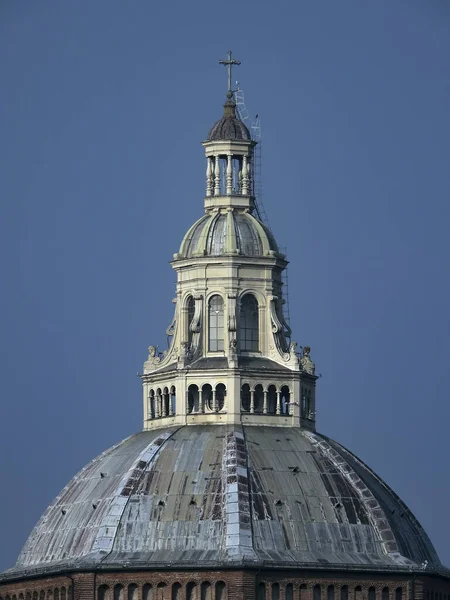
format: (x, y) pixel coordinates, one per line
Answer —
(153, 359)
(306, 363)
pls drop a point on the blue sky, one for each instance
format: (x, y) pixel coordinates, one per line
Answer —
(104, 106)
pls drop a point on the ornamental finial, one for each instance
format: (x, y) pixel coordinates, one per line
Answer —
(229, 63)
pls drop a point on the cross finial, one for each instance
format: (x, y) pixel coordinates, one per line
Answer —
(229, 63)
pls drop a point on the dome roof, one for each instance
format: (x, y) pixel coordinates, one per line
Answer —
(215, 495)
(229, 232)
(229, 127)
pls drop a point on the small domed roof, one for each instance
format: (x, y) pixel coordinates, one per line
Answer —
(202, 496)
(228, 232)
(229, 127)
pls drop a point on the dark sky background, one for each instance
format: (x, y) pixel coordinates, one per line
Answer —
(103, 108)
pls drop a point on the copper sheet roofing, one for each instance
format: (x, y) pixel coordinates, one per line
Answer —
(217, 495)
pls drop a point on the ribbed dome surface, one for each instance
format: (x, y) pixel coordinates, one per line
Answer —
(199, 496)
(229, 127)
(216, 234)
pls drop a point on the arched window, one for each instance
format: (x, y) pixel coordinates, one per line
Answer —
(289, 592)
(207, 397)
(259, 398)
(358, 592)
(330, 592)
(249, 324)
(166, 402)
(215, 324)
(261, 593)
(161, 590)
(147, 592)
(317, 593)
(192, 591)
(398, 593)
(173, 400)
(221, 392)
(245, 397)
(118, 592)
(206, 591)
(285, 399)
(302, 592)
(192, 398)
(190, 317)
(132, 592)
(103, 593)
(344, 592)
(275, 591)
(271, 399)
(221, 591)
(176, 591)
(385, 593)
(372, 594)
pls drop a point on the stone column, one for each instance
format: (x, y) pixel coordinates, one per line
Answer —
(229, 174)
(278, 411)
(265, 402)
(252, 401)
(217, 177)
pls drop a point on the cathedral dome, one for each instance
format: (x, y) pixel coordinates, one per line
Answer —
(229, 127)
(228, 232)
(209, 496)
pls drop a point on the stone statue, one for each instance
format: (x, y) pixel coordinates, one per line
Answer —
(306, 363)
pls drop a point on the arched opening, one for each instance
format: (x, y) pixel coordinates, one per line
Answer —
(119, 592)
(344, 592)
(41, 595)
(206, 591)
(192, 402)
(173, 400)
(302, 592)
(306, 402)
(151, 404)
(285, 400)
(221, 591)
(330, 592)
(317, 592)
(358, 593)
(271, 399)
(261, 592)
(190, 317)
(159, 403)
(215, 324)
(166, 402)
(275, 591)
(249, 324)
(221, 392)
(161, 590)
(63, 594)
(147, 592)
(372, 593)
(207, 396)
(55, 594)
(35, 596)
(132, 592)
(399, 593)
(385, 593)
(103, 592)
(259, 398)
(289, 592)
(176, 591)
(192, 591)
(245, 398)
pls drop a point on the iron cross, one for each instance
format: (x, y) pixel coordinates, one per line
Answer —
(229, 63)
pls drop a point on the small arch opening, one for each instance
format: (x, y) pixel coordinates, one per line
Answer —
(245, 398)
(192, 403)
